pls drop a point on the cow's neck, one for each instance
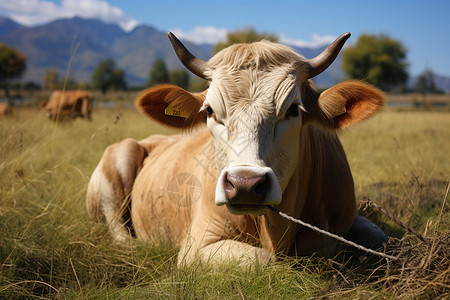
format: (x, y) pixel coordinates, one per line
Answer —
(278, 233)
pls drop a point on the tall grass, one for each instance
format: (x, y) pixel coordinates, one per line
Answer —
(401, 161)
(50, 249)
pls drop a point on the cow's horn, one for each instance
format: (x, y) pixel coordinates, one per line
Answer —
(192, 63)
(322, 61)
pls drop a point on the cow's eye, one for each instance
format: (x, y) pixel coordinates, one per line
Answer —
(292, 111)
(209, 111)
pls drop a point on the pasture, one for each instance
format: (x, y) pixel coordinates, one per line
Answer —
(50, 249)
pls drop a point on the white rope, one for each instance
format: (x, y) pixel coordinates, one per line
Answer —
(337, 237)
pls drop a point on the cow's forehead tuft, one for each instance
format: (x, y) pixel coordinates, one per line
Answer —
(246, 91)
(258, 56)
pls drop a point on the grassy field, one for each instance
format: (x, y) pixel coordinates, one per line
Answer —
(50, 249)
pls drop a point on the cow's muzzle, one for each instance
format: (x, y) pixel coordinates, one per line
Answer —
(245, 186)
(246, 189)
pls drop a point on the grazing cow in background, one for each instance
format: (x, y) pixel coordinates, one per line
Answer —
(5, 109)
(62, 104)
(269, 141)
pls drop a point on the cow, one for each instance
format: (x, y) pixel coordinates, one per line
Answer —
(269, 141)
(5, 109)
(63, 104)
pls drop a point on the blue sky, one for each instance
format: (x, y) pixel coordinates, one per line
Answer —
(422, 26)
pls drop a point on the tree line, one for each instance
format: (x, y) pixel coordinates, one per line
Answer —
(107, 76)
(377, 59)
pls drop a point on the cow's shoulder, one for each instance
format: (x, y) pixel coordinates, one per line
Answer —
(185, 145)
(168, 156)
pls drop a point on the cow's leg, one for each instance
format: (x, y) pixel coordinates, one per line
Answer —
(86, 108)
(366, 233)
(110, 186)
(224, 251)
(230, 250)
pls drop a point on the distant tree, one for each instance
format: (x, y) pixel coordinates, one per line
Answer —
(179, 78)
(102, 75)
(83, 85)
(379, 59)
(107, 76)
(246, 35)
(118, 80)
(197, 84)
(51, 79)
(158, 73)
(425, 83)
(69, 84)
(12, 65)
(31, 86)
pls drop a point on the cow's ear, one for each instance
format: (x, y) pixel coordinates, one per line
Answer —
(172, 106)
(347, 103)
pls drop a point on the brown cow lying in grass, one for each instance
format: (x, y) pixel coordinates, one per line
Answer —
(259, 136)
(5, 109)
(63, 104)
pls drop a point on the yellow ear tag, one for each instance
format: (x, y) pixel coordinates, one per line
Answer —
(170, 111)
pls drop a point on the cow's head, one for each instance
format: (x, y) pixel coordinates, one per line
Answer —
(259, 98)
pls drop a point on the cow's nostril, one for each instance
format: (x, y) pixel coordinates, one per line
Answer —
(262, 188)
(230, 183)
(230, 189)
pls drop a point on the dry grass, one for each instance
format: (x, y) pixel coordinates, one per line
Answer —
(424, 268)
(443, 99)
(50, 249)
(400, 160)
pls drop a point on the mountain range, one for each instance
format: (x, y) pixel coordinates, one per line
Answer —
(75, 46)
(81, 43)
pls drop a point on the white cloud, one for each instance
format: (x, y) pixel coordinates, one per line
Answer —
(315, 42)
(202, 34)
(35, 12)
